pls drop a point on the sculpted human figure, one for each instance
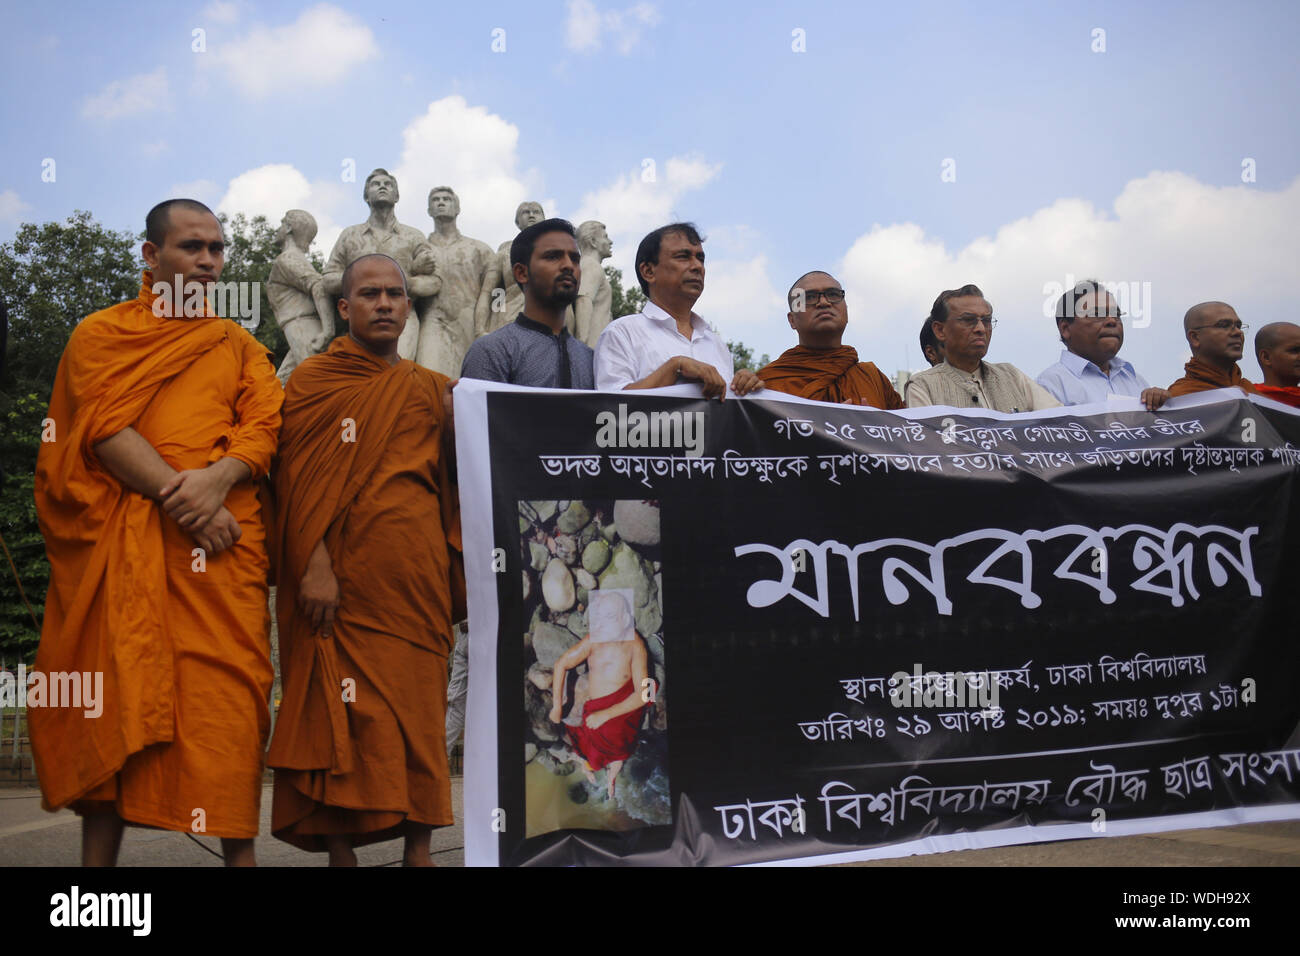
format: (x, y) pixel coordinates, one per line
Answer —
(594, 308)
(461, 262)
(302, 307)
(406, 245)
(500, 299)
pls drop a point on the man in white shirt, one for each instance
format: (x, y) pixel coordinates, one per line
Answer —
(668, 343)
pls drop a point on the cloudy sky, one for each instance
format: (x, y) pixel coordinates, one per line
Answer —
(907, 148)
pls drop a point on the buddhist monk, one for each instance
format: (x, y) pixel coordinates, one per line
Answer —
(1277, 347)
(821, 367)
(370, 579)
(615, 656)
(158, 566)
(1217, 338)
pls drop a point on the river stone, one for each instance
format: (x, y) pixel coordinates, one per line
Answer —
(587, 535)
(528, 584)
(649, 618)
(642, 788)
(577, 624)
(550, 643)
(545, 510)
(574, 519)
(595, 558)
(557, 586)
(524, 525)
(566, 548)
(609, 531)
(540, 676)
(530, 751)
(638, 522)
(538, 555)
(654, 644)
(626, 570)
(584, 579)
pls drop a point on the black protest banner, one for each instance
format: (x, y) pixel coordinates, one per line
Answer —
(835, 633)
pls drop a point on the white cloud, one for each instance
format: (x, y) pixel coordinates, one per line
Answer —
(319, 48)
(473, 151)
(156, 148)
(12, 207)
(220, 11)
(642, 200)
(742, 302)
(586, 27)
(274, 189)
(1189, 240)
(135, 94)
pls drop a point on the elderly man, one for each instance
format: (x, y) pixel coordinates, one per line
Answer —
(963, 321)
(667, 342)
(1277, 347)
(154, 529)
(382, 233)
(462, 261)
(1217, 338)
(296, 291)
(499, 298)
(369, 583)
(1088, 321)
(821, 367)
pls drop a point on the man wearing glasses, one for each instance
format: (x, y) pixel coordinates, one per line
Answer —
(821, 367)
(1089, 322)
(962, 320)
(1217, 338)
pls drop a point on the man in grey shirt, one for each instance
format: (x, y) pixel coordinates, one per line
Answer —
(535, 349)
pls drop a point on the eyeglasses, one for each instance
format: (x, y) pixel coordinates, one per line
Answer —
(1224, 325)
(813, 296)
(970, 321)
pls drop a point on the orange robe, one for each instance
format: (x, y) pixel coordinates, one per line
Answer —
(1203, 377)
(830, 375)
(182, 643)
(1287, 394)
(358, 746)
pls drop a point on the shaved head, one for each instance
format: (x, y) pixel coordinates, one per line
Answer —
(1273, 334)
(346, 292)
(1196, 314)
(159, 217)
(798, 283)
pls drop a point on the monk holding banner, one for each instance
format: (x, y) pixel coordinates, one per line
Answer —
(158, 566)
(821, 367)
(368, 542)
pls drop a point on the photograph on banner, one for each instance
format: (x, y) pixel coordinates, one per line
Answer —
(596, 745)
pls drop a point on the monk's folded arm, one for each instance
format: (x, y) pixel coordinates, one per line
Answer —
(134, 462)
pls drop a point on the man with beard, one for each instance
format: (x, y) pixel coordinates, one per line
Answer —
(536, 349)
(1089, 322)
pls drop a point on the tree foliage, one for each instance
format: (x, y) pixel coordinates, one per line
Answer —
(743, 357)
(624, 301)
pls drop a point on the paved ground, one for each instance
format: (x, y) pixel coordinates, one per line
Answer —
(31, 837)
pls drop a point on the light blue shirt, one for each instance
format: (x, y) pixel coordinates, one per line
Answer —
(1076, 381)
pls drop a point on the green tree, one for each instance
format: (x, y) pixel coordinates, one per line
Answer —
(51, 277)
(624, 301)
(743, 357)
